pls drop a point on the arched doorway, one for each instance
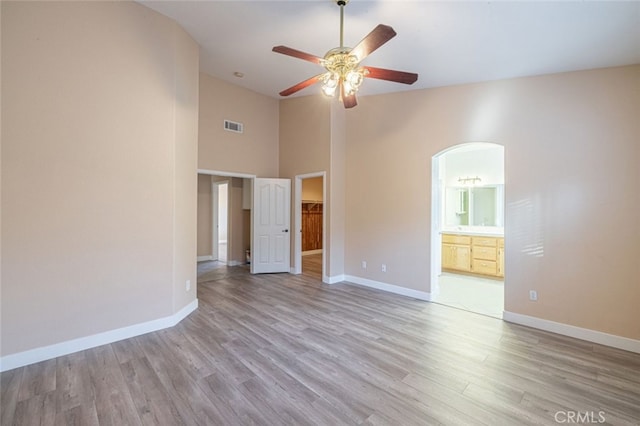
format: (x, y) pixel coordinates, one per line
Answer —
(467, 243)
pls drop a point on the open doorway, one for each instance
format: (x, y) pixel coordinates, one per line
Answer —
(223, 223)
(310, 225)
(220, 221)
(468, 228)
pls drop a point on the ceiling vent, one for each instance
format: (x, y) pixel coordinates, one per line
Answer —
(233, 126)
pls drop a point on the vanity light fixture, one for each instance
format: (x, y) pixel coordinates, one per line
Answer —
(469, 181)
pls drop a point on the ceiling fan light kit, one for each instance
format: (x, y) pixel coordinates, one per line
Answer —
(342, 68)
(344, 74)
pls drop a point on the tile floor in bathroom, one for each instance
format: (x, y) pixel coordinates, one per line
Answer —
(480, 295)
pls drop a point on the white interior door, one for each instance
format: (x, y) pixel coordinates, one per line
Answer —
(271, 245)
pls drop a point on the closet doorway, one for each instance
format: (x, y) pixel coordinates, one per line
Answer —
(310, 224)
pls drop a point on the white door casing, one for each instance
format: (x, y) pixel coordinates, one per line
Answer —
(271, 215)
(214, 221)
(297, 219)
(221, 220)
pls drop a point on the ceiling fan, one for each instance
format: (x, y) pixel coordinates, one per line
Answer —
(344, 74)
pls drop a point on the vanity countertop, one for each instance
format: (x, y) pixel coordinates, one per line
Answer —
(480, 231)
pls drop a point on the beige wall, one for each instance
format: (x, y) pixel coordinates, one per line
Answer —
(305, 135)
(1, 115)
(186, 104)
(253, 152)
(99, 145)
(308, 136)
(335, 203)
(236, 222)
(205, 215)
(98, 179)
(571, 162)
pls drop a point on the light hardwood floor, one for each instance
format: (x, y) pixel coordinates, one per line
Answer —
(283, 349)
(312, 265)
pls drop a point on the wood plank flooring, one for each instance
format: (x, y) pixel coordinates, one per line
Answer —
(284, 349)
(312, 265)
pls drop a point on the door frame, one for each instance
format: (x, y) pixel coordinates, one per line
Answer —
(224, 174)
(215, 218)
(297, 220)
(221, 173)
(437, 210)
(437, 207)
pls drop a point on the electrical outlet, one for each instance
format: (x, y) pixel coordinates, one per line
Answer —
(187, 285)
(364, 264)
(533, 295)
(384, 268)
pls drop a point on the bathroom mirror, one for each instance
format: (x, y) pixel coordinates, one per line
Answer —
(474, 206)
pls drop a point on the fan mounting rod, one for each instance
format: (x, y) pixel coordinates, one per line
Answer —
(342, 4)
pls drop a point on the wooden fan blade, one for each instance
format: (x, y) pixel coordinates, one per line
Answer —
(348, 101)
(293, 89)
(376, 38)
(297, 54)
(391, 75)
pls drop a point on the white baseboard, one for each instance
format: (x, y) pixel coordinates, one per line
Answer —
(594, 336)
(235, 263)
(9, 362)
(308, 252)
(391, 288)
(204, 258)
(333, 280)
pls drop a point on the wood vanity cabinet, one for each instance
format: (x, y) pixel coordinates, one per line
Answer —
(456, 252)
(478, 255)
(501, 257)
(484, 251)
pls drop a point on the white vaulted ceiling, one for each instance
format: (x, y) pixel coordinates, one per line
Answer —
(444, 42)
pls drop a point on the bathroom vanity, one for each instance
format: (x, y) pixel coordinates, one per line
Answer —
(475, 253)
(473, 229)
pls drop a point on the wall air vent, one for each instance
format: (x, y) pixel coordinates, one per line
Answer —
(232, 126)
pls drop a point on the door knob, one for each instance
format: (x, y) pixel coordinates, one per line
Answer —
(285, 230)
